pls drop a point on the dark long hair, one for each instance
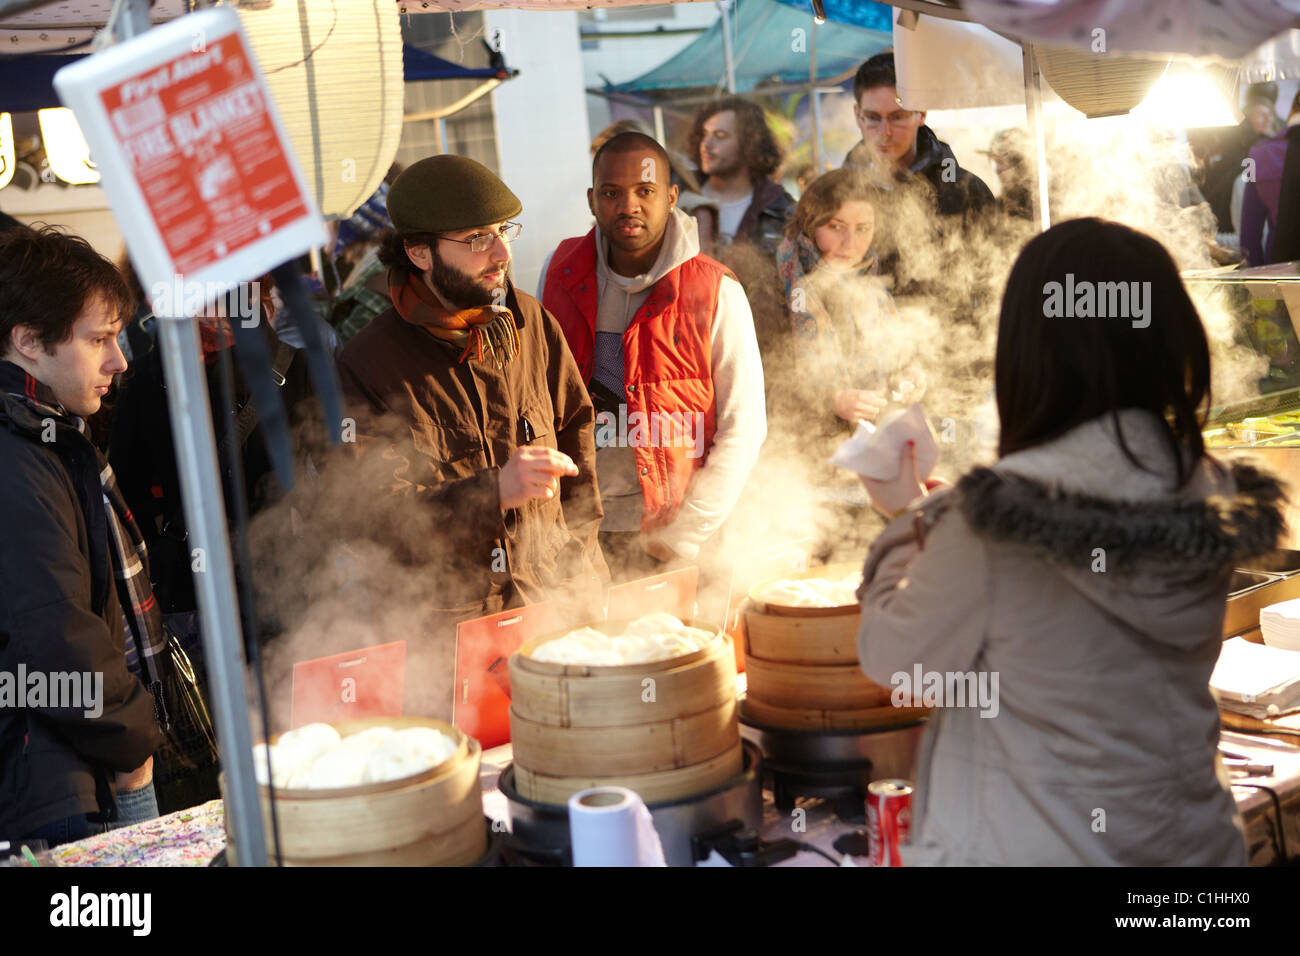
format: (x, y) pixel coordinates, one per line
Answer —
(1055, 372)
(757, 144)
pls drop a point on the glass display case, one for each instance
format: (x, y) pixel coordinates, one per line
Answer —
(1259, 308)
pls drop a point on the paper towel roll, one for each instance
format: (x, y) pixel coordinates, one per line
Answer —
(610, 826)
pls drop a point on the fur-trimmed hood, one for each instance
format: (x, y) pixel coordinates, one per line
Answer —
(1240, 521)
(1119, 535)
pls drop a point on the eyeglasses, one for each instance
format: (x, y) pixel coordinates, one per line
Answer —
(895, 119)
(485, 241)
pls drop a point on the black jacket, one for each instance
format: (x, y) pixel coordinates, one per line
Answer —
(1222, 174)
(764, 221)
(956, 191)
(59, 613)
(958, 200)
(143, 456)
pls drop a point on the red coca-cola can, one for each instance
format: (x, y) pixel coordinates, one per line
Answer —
(889, 820)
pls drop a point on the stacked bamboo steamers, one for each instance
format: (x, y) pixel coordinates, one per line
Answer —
(802, 666)
(665, 729)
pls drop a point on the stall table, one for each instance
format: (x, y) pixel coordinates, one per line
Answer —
(194, 836)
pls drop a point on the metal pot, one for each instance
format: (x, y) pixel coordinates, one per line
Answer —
(891, 751)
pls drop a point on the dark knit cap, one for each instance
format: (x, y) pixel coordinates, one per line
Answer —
(448, 193)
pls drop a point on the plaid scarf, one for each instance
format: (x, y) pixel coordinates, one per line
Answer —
(488, 334)
(31, 406)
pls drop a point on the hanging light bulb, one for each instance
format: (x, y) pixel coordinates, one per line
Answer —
(1187, 98)
(65, 147)
(335, 71)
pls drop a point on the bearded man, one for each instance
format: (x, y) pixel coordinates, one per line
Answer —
(470, 408)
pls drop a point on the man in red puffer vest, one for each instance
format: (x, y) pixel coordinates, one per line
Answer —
(664, 338)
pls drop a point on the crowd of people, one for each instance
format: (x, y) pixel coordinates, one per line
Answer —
(525, 448)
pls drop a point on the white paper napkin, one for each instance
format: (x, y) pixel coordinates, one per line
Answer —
(876, 451)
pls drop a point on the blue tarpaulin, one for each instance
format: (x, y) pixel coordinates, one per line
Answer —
(859, 13)
(419, 65)
(769, 47)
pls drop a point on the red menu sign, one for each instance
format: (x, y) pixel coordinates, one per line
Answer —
(368, 682)
(481, 706)
(199, 138)
(672, 591)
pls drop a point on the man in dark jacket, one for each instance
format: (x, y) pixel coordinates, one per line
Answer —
(927, 196)
(900, 138)
(738, 156)
(476, 405)
(69, 553)
(1257, 125)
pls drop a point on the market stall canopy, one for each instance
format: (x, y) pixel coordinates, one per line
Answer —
(1198, 27)
(949, 65)
(1278, 59)
(26, 82)
(32, 26)
(1208, 28)
(769, 50)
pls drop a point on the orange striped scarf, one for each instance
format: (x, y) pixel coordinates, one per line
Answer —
(488, 333)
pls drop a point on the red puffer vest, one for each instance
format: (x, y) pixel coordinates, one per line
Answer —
(667, 364)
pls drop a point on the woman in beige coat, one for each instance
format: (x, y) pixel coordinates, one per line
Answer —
(1076, 588)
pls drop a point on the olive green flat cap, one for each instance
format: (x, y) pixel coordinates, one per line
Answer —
(448, 193)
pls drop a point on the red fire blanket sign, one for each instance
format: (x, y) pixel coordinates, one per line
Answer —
(195, 162)
(204, 153)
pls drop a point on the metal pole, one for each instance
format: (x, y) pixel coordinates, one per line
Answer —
(659, 123)
(816, 104)
(441, 125)
(727, 54)
(205, 517)
(1034, 113)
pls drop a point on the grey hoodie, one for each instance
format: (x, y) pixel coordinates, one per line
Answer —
(1090, 598)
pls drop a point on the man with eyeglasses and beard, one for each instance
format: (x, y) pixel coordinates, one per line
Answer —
(476, 406)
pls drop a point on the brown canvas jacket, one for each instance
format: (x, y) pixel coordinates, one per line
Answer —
(438, 431)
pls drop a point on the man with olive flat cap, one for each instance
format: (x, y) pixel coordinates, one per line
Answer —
(470, 409)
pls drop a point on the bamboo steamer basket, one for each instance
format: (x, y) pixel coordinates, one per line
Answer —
(814, 687)
(876, 718)
(803, 635)
(666, 729)
(661, 787)
(802, 665)
(430, 819)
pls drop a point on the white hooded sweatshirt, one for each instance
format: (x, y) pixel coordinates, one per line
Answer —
(741, 419)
